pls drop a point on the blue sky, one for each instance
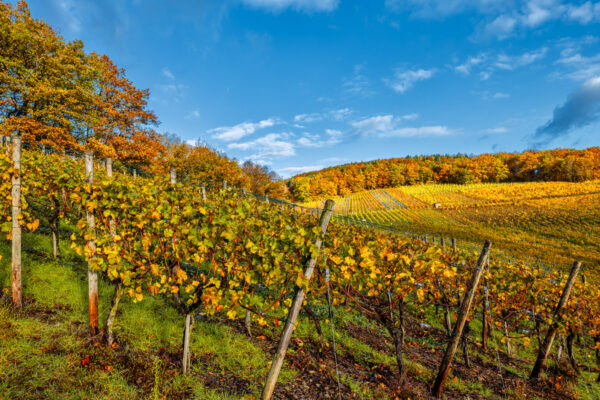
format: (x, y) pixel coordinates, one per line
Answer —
(304, 84)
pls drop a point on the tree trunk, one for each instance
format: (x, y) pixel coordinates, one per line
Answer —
(570, 340)
(397, 333)
(315, 320)
(465, 344)
(187, 358)
(448, 321)
(110, 338)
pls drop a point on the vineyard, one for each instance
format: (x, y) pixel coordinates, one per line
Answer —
(172, 267)
(523, 220)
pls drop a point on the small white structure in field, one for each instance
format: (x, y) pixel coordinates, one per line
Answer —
(437, 205)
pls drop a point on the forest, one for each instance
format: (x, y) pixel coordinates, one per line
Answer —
(550, 165)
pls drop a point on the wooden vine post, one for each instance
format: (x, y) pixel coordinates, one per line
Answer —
(114, 305)
(92, 275)
(17, 293)
(173, 175)
(203, 192)
(463, 313)
(134, 173)
(550, 335)
(290, 323)
(485, 311)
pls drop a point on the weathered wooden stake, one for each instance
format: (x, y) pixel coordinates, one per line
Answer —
(463, 313)
(547, 345)
(509, 351)
(134, 173)
(203, 192)
(248, 323)
(288, 329)
(17, 293)
(224, 184)
(187, 334)
(442, 242)
(92, 275)
(453, 244)
(173, 174)
(108, 164)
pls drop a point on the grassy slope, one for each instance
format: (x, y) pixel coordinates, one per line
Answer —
(44, 351)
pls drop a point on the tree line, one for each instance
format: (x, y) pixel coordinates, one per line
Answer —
(53, 93)
(550, 165)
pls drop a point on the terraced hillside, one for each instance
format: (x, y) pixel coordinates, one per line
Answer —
(549, 222)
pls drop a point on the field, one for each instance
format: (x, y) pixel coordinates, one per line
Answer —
(45, 352)
(552, 223)
(195, 283)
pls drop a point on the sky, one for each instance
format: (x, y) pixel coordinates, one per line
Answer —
(299, 85)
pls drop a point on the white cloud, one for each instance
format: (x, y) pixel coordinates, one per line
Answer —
(584, 13)
(333, 137)
(340, 114)
(273, 145)
(500, 95)
(487, 64)
(167, 73)
(236, 132)
(579, 67)
(308, 118)
(465, 68)
(512, 62)
(502, 19)
(300, 5)
(390, 126)
(404, 80)
(410, 117)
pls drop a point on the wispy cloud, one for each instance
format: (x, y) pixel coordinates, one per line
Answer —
(331, 138)
(390, 126)
(405, 79)
(486, 65)
(502, 19)
(194, 114)
(273, 145)
(313, 117)
(167, 73)
(300, 5)
(236, 132)
(581, 108)
(578, 67)
(358, 84)
(499, 129)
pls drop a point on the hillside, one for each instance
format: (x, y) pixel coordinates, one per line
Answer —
(551, 165)
(536, 222)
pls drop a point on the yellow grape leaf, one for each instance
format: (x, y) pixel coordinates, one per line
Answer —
(526, 341)
(32, 226)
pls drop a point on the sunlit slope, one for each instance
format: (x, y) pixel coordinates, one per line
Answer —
(551, 222)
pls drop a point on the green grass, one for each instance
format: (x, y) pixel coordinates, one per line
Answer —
(41, 350)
